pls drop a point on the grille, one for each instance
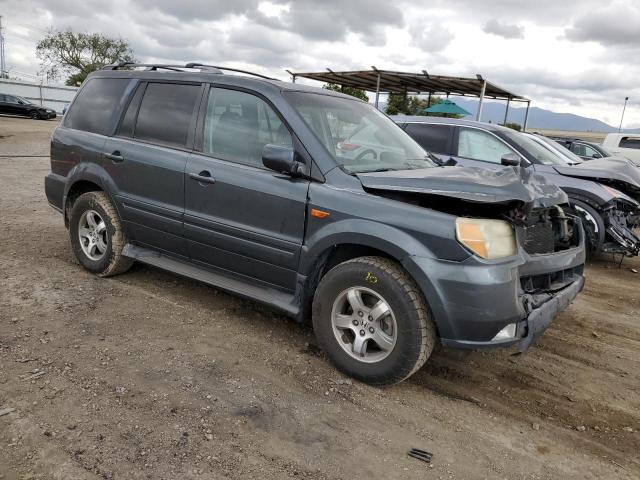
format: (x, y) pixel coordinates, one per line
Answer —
(538, 238)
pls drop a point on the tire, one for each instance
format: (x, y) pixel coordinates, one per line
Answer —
(376, 279)
(105, 259)
(593, 225)
(34, 115)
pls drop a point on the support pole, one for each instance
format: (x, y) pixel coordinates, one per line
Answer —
(377, 90)
(429, 100)
(506, 111)
(293, 78)
(526, 117)
(479, 112)
(626, 99)
(2, 64)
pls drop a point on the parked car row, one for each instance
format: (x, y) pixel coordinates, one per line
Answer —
(15, 105)
(603, 192)
(320, 206)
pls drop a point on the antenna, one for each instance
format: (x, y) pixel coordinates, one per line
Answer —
(2, 64)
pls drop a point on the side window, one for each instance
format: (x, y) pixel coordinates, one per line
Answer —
(94, 108)
(165, 113)
(579, 149)
(2, 98)
(628, 142)
(129, 121)
(433, 138)
(10, 99)
(238, 125)
(479, 145)
(591, 152)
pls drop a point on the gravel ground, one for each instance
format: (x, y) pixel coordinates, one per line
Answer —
(148, 375)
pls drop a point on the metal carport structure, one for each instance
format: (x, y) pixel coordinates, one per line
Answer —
(388, 81)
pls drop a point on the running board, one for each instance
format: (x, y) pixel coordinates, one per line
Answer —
(267, 295)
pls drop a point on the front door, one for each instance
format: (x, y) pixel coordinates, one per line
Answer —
(239, 216)
(147, 159)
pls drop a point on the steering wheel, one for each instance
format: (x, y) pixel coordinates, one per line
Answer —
(368, 151)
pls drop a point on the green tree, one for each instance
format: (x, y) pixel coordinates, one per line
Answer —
(403, 104)
(76, 55)
(398, 104)
(354, 92)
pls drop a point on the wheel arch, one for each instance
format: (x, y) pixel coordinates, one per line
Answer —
(83, 178)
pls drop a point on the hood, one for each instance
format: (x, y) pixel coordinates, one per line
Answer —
(470, 184)
(610, 168)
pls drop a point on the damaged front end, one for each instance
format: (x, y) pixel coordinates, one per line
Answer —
(622, 224)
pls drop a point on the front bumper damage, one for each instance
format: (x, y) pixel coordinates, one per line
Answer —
(622, 224)
(473, 300)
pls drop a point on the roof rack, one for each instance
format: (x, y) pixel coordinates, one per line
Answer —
(178, 68)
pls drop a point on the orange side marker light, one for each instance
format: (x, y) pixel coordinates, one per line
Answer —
(319, 213)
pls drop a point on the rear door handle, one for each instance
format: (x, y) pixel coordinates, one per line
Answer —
(115, 157)
(202, 177)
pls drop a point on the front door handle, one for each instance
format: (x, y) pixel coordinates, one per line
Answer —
(115, 157)
(202, 177)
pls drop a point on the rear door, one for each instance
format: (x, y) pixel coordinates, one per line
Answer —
(11, 106)
(239, 216)
(434, 138)
(147, 159)
(474, 147)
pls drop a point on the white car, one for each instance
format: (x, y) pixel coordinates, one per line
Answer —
(624, 145)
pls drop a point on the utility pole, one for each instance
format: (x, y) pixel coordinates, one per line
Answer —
(2, 64)
(623, 109)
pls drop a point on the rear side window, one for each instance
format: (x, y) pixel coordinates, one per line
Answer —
(627, 142)
(165, 113)
(433, 138)
(238, 125)
(94, 108)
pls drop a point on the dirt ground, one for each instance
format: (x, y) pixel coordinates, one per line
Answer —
(148, 375)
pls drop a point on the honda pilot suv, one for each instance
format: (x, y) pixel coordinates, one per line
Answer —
(243, 183)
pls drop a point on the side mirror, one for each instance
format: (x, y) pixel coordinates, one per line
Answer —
(596, 155)
(281, 159)
(511, 160)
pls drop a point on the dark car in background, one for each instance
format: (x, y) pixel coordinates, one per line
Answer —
(15, 105)
(604, 192)
(584, 149)
(251, 185)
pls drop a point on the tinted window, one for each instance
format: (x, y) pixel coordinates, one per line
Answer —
(94, 108)
(165, 113)
(238, 125)
(627, 142)
(579, 149)
(1, 98)
(10, 99)
(433, 138)
(479, 145)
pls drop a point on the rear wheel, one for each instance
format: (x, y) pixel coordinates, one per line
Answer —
(96, 235)
(372, 321)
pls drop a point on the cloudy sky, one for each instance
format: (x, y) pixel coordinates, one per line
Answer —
(578, 56)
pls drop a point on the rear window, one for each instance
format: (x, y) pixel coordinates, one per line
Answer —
(95, 107)
(628, 142)
(165, 113)
(433, 138)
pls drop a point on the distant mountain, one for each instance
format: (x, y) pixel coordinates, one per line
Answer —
(493, 112)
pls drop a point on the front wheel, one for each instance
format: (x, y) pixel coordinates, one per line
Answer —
(96, 235)
(372, 321)
(34, 115)
(593, 224)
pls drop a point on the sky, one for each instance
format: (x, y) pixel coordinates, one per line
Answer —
(576, 56)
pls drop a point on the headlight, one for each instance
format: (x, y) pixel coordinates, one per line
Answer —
(486, 238)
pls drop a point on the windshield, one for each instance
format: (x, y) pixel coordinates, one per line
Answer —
(358, 136)
(23, 100)
(541, 153)
(558, 147)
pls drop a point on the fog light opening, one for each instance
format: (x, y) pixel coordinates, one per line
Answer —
(507, 333)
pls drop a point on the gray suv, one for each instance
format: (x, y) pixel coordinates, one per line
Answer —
(241, 183)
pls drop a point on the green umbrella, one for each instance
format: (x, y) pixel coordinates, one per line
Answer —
(446, 106)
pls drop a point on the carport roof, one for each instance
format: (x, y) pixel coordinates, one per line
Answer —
(400, 82)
